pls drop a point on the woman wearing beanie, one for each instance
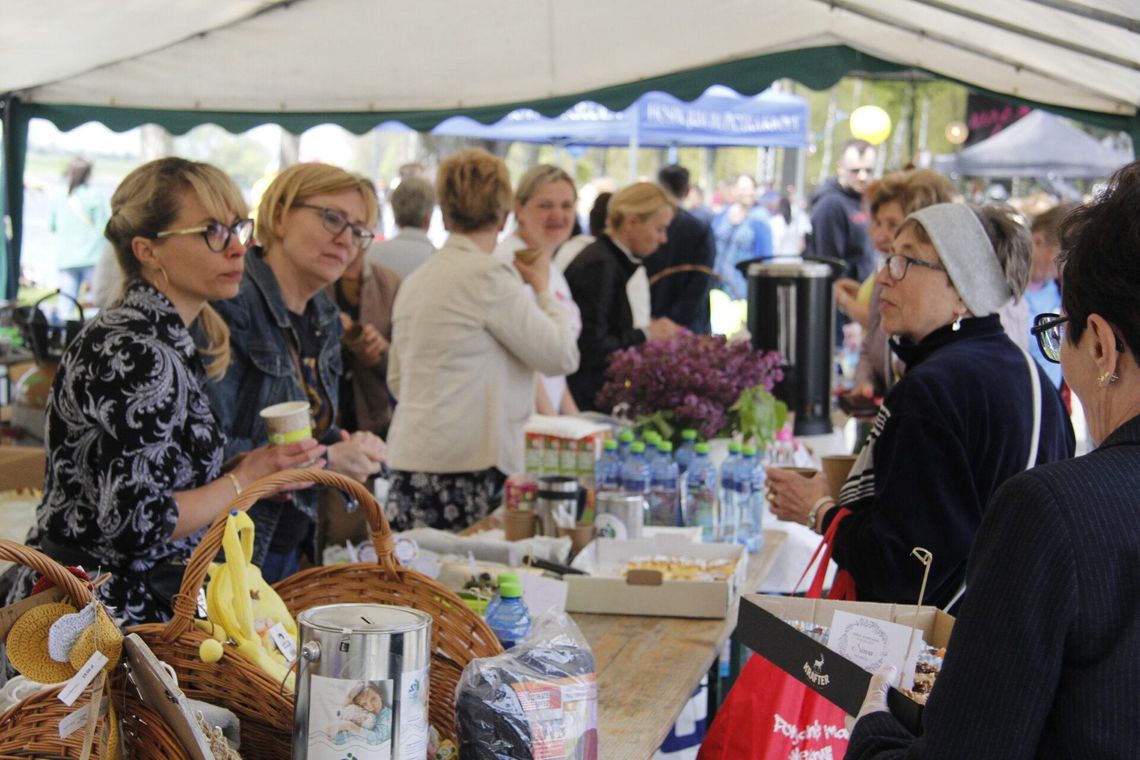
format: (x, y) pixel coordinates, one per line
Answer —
(971, 411)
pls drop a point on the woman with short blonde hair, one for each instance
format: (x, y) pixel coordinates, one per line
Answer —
(636, 225)
(467, 338)
(544, 213)
(285, 335)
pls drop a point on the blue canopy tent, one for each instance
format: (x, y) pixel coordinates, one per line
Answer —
(721, 117)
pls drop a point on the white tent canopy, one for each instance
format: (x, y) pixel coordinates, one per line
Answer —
(241, 63)
(269, 56)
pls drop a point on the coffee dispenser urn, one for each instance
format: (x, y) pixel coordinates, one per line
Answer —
(791, 310)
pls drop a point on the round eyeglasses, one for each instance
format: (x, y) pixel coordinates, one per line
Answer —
(1049, 330)
(335, 222)
(897, 265)
(216, 234)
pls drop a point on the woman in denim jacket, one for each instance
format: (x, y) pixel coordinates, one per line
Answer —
(285, 336)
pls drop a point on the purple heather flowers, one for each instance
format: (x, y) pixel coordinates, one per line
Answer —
(687, 381)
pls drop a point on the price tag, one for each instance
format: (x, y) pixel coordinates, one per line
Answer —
(284, 642)
(73, 722)
(202, 603)
(83, 678)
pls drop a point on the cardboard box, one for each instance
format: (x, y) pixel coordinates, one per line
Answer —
(606, 591)
(22, 467)
(761, 628)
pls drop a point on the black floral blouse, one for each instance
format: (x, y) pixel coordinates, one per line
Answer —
(128, 423)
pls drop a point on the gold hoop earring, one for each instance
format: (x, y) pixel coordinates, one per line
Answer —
(165, 276)
(1107, 379)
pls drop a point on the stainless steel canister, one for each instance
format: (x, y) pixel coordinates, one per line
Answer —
(362, 683)
(557, 503)
(619, 514)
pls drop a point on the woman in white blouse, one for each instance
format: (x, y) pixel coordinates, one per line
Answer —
(467, 338)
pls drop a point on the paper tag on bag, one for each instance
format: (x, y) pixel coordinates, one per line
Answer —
(872, 643)
(81, 680)
(284, 641)
(202, 603)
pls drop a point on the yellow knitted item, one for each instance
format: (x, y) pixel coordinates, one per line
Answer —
(110, 641)
(28, 644)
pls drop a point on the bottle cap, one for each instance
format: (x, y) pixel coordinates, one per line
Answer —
(665, 447)
(688, 434)
(784, 435)
(610, 445)
(749, 450)
(508, 578)
(651, 437)
(702, 448)
(626, 436)
(510, 589)
(734, 448)
(637, 447)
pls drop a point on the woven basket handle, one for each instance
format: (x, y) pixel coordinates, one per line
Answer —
(185, 602)
(77, 591)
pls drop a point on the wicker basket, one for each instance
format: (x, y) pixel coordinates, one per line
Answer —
(30, 728)
(458, 635)
(266, 713)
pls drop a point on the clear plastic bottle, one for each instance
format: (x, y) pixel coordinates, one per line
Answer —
(625, 440)
(750, 484)
(686, 450)
(497, 600)
(783, 451)
(700, 504)
(607, 470)
(635, 470)
(510, 619)
(651, 439)
(726, 494)
(664, 489)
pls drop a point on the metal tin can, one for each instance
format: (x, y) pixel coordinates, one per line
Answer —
(362, 683)
(619, 514)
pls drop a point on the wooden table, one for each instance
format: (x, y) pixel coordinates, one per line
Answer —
(649, 667)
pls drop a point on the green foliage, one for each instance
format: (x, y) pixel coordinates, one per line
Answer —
(759, 415)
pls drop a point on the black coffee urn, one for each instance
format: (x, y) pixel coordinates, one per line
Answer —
(791, 310)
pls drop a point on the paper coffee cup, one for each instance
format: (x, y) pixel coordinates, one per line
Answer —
(288, 422)
(837, 468)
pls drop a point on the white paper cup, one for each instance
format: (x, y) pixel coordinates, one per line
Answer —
(288, 422)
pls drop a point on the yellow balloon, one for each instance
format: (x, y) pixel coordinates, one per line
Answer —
(870, 123)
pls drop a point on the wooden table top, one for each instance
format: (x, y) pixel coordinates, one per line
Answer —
(649, 667)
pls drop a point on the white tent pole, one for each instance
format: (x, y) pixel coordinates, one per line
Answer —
(634, 143)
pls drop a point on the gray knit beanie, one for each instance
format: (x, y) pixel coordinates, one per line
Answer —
(967, 254)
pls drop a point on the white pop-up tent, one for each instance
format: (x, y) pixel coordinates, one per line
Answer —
(240, 63)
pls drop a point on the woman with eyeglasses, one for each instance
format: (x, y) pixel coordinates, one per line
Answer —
(285, 334)
(467, 338)
(1046, 646)
(971, 411)
(136, 465)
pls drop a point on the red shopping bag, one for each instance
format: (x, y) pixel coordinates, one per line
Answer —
(770, 715)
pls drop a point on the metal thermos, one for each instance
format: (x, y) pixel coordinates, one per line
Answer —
(362, 683)
(791, 310)
(619, 514)
(556, 503)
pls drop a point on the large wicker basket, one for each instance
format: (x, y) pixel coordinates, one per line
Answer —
(266, 712)
(30, 728)
(458, 635)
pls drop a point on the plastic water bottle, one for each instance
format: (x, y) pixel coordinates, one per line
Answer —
(497, 600)
(607, 470)
(664, 489)
(729, 506)
(700, 505)
(635, 470)
(510, 619)
(686, 450)
(784, 449)
(625, 440)
(750, 484)
(651, 439)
